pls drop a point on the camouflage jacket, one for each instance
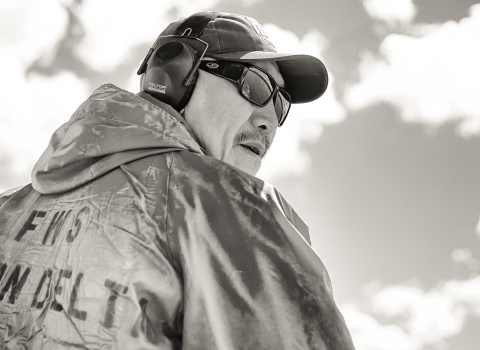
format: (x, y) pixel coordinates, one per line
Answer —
(129, 237)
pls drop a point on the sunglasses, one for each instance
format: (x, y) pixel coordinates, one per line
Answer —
(254, 84)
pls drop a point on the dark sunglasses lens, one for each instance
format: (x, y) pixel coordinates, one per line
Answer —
(234, 71)
(282, 106)
(256, 87)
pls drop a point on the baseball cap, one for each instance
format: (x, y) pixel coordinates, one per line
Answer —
(234, 37)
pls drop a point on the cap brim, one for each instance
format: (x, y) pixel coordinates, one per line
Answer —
(306, 77)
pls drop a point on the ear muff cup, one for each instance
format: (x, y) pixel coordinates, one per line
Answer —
(167, 69)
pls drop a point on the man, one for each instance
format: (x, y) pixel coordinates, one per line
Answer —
(144, 226)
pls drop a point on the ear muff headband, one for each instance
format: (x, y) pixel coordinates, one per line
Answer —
(171, 70)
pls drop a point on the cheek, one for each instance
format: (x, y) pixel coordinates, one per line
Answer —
(222, 100)
(229, 101)
(230, 111)
(217, 112)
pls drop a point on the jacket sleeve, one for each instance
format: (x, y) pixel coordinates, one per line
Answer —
(250, 279)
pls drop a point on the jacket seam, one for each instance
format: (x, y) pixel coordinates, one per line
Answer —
(167, 235)
(167, 228)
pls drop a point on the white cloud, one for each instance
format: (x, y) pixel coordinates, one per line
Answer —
(392, 12)
(428, 317)
(369, 334)
(465, 293)
(305, 121)
(114, 28)
(32, 107)
(31, 27)
(465, 257)
(414, 317)
(30, 117)
(35, 106)
(430, 77)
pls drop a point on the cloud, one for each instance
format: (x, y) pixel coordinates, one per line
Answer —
(305, 121)
(30, 117)
(369, 334)
(31, 27)
(392, 12)
(414, 317)
(465, 257)
(430, 76)
(110, 39)
(34, 105)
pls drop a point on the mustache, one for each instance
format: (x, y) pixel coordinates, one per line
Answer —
(256, 136)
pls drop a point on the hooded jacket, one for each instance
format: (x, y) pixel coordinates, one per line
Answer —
(130, 237)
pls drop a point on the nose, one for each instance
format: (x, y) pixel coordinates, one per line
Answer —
(264, 119)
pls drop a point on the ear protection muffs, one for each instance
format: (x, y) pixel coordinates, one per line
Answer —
(166, 72)
(169, 73)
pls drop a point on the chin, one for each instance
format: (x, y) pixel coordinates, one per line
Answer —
(245, 160)
(251, 168)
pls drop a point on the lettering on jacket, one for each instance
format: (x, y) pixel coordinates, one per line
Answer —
(54, 228)
(43, 280)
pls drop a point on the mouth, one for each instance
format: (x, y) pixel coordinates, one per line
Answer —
(255, 147)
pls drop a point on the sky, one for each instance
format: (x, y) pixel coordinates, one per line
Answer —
(385, 167)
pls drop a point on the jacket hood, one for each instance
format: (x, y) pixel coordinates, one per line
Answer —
(112, 127)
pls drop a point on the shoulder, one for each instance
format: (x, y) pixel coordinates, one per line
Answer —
(219, 186)
(10, 192)
(5, 196)
(201, 170)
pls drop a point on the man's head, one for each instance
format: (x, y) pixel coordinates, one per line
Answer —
(236, 101)
(230, 127)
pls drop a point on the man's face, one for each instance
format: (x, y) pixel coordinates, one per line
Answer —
(231, 128)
